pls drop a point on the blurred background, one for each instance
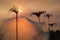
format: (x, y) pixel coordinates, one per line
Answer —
(26, 22)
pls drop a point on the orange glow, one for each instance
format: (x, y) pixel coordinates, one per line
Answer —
(19, 10)
(26, 29)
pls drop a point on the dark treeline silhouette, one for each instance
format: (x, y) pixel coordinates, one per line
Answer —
(54, 35)
(0, 39)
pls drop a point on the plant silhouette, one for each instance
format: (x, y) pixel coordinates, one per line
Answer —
(14, 9)
(48, 16)
(51, 24)
(38, 14)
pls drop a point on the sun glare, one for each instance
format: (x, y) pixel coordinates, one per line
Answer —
(20, 10)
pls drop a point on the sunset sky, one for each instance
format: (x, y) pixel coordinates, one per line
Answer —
(27, 7)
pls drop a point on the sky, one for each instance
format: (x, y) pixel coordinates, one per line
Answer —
(27, 7)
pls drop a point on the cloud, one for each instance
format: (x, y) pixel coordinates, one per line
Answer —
(28, 29)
